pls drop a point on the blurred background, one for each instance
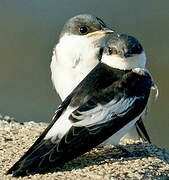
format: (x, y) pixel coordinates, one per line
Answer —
(29, 30)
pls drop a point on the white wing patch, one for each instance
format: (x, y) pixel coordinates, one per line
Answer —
(61, 126)
(103, 113)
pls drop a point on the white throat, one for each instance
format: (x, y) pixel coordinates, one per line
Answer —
(115, 61)
(73, 58)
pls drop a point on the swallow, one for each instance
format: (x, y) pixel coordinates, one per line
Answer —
(77, 52)
(107, 103)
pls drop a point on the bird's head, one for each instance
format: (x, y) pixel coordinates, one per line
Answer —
(85, 29)
(124, 52)
(85, 25)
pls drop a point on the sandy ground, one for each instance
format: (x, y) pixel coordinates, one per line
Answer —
(147, 162)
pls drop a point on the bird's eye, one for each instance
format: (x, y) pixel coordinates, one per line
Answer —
(83, 30)
(114, 50)
(109, 50)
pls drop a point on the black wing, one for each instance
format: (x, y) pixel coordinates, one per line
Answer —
(93, 122)
(39, 142)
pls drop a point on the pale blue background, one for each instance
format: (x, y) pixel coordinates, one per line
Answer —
(30, 28)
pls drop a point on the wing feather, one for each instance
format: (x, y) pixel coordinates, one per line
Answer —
(93, 121)
(39, 143)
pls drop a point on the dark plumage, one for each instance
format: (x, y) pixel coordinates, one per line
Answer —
(124, 45)
(107, 102)
(119, 87)
(83, 24)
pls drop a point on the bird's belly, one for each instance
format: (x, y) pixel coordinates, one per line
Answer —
(65, 77)
(64, 82)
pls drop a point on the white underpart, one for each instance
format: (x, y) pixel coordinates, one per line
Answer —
(115, 138)
(73, 58)
(115, 61)
(61, 126)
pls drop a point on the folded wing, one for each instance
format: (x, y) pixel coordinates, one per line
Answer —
(93, 121)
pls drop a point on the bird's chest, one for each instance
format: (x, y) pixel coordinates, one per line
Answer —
(65, 79)
(69, 71)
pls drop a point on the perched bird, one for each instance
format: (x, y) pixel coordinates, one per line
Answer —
(107, 103)
(78, 51)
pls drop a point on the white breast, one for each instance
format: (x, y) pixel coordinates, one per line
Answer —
(73, 58)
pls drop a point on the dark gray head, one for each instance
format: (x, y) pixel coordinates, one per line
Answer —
(124, 52)
(85, 25)
(123, 45)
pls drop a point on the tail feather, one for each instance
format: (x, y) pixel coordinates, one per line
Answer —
(39, 149)
(142, 132)
(31, 160)
(51, 155)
